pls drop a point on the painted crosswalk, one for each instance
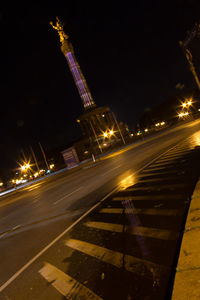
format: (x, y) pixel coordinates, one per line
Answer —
(130, 237)
(163, 234)
(144, 197)
(120, 260)
(142, 211)
(66, 285)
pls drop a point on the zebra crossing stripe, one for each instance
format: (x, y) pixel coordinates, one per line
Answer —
(132, 264)
(156, 233)
(146, 197)
(66, 285)
(151, 211)
(155, 188)
(153, 168)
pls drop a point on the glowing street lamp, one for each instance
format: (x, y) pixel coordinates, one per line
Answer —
(105, 134)
(183, 114)
(108, 133)
(187, 103)
(184, 104)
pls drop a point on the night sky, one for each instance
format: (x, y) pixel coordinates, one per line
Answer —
(127, 50)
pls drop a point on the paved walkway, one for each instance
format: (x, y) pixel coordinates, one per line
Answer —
(187, 278)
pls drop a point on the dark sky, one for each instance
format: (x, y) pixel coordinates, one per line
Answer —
(128, 52)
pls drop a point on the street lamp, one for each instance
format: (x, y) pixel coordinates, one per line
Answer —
(183, 114)
(108, 133)
(105, 134)
(184, 104)
(187, 103)
(23, 168)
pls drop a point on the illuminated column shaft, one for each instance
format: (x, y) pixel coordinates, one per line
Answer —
(80, 81)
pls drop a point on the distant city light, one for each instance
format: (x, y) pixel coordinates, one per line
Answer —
(111, 132)
(160, 124)
(105, 134)
(23, 180)
(180, 115)
(187, 103)
(26, 166)
(18, 181)
(1, 183)
(146, 130)
(51, 166)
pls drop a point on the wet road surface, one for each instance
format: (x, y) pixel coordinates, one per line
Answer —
(125, 248)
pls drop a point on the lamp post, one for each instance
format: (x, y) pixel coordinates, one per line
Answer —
(118, 128)
(96, 137)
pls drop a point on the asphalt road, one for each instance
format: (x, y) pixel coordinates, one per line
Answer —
(32, 218)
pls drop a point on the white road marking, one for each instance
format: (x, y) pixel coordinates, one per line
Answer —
(66, 285)
(3, 235)
(68, 195)
(10, 230)
(33, 186)
(159, 171)
(14, 228)
(154, 188)
(151, 211)
(152, 169)
(161, 164)
(12, 278)
(132, 264)
(110, 170)
(147, 197)
(156, 233)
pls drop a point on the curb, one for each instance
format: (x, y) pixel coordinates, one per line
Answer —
(187, 277)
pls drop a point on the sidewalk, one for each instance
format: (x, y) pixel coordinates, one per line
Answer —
(187, 278)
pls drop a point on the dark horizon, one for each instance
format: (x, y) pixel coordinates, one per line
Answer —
(130, 57)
